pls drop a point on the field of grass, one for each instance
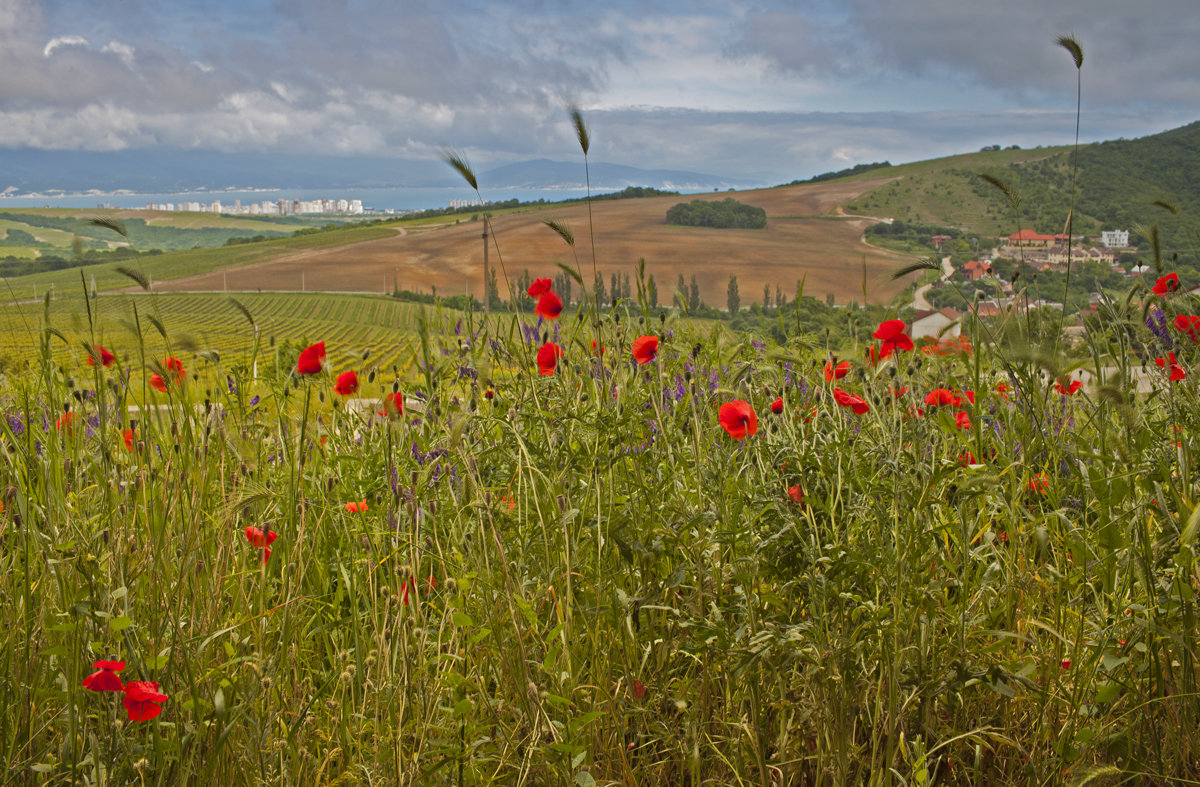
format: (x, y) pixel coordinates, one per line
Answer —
(724, 565)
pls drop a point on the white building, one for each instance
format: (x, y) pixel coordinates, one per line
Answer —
(933, 323)
(1115, 239)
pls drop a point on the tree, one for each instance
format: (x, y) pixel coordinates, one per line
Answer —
(766, 296)
(732, 300)
(694, 296)
(493, 290)
(652, 292)
(681, 293)
(599, 290)
(616, 287)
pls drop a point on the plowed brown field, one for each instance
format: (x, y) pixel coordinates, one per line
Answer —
(804, 237)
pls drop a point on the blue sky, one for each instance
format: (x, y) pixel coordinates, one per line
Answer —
(762, 90)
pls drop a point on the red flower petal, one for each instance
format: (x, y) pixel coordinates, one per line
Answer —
(346, 383)
(539, 287)
(645, 349)
(738, 419)
(311, 359)
(547, 358)
(836, 372)
(549, 306)
(777, 405)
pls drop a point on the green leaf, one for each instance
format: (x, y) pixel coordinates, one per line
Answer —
(120, 624)
(584, 779)
(462, 620)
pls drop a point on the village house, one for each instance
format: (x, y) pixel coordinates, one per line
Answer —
(976, 269)
(933, 323)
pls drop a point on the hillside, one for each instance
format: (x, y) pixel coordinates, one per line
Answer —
(1118, 182)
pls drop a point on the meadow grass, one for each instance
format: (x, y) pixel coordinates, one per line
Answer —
(581, 577)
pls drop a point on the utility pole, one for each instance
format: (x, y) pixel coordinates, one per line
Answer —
(487, 279)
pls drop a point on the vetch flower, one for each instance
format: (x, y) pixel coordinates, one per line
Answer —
(549, 306)
(143, 701)
(547, 358)
(312, 359)
(346, 383)
(847, 399)
(1166, 284)
(836, 372)
(105, 678)
(102, 354)
(738, 419)
(645, 349)
(539, 287)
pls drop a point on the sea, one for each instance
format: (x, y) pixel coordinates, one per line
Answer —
(373, 199)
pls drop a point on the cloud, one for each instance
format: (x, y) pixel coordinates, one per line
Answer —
(61, 41)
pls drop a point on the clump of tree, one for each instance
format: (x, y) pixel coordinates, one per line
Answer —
(843, 173)
(725, 214)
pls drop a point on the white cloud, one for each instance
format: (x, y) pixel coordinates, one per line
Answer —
(123, 51)
(61, 41)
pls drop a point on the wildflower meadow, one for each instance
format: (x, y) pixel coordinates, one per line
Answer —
(604, 544)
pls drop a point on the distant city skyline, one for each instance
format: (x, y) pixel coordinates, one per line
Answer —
(747, 91)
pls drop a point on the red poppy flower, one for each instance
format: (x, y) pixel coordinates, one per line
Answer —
(170, 364)
(549, 306)
(967, 458)
(836, 372)
(129, 435)
(638, 688)
(891, 333)
(489, 394)
(143, 700)
(393, 405)
(962, 420)
(1067, 389)
(738, 419)
(1066, 663)
(1188, 325)
(1177, 371)
(1002, 389)
(847, 399)
(1039, 483)
(105, 678)
(359, 507)
(346, 383)
(1166, 284)
(597, 349)
(547, 358)
(940, 397)
(539, 287)
(645, 349)
(260, 538)
(312, 359)
(65, 422)
(106, 357)
(777, 406)
(796, 494)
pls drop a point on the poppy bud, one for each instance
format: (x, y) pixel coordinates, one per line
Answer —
(371, 376)
(366, 354)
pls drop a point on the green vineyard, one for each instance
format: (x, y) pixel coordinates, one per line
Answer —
(200, 323)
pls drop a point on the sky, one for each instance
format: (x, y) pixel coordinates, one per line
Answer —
(756, 89)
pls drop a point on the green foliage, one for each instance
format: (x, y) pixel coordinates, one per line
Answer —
(725, 214)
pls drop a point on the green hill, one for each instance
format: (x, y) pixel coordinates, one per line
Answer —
(1118, 183)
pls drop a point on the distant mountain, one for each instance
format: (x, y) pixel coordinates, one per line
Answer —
(163, 171)
(544, 173)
